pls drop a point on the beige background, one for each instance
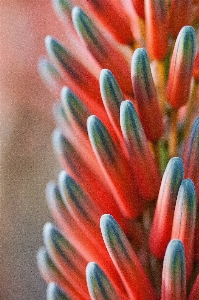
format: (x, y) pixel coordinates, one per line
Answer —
(27, 162)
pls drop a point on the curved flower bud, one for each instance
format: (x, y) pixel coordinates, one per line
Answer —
(54, 292)
(63, 9)
(51, 273)
(125, 260)
(156, 28)
(115, 167)
(146, 96)
(112, 97)
(75, 74)
(66, 258)
(102, 49)
(174, 272)
(71, 160)
(163, 218)
(106, 11)
(184, 220)
(99, 286)
(148, 182)
(181, 66)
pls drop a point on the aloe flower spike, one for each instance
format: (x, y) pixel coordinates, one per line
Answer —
(163, 218)
(54, 292)
(125, 260)
(174, 272)
(184, 221)
(99, 286)
(140, 155)
(146, 96)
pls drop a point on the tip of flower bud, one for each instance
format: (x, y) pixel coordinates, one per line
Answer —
(145, 95)
(110, 90)
(174, 271)
(62, 7)
(54, 292)
(98, 284)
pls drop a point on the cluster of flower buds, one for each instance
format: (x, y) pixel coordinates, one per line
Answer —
(127, 140)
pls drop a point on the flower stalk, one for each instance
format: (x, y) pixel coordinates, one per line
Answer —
(125, 204)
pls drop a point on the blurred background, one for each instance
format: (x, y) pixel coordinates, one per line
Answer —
(27, 161)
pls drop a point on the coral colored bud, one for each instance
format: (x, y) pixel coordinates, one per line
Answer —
(191, 156)
(106, 54)
(112, 17)
(67, 259)
(99, 286)
(115, 167)
(156, 28)
(75, 111)
(163, 218)
(174, 272)
(146, 96)
(141, 158)
(76, 75)
(81, 207)
(112, 97)
(51, 273)
(184, 221)
(53, 292)
(179, 15)
(125, 260)
(181, 66)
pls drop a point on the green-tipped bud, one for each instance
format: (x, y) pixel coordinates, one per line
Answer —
(88, 32)
(184, 220)
(145, 95)
(116, 168)
(141, 158)
(163, 218)
(174, 272)
(63, 8)
(99, 286)
(125, 260)
(111, 95)
(74, 109)
(54, 292)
